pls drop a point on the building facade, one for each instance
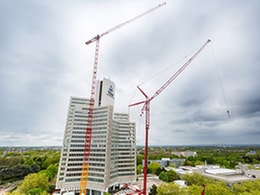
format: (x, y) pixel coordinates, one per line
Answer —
(113, 145)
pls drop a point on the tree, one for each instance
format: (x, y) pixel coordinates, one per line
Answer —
(28, 161)
(139, 169)
(171, 189)
(51, 171)
(172, 165)
(196, 179)
(35, 168)
(217, 189)
(247, 186)
(195, 189)
(198, 162)
(10, 161)
(153, 167)
(163, 176)
(17, 172)
(51, 158)
(153, 190)
(37, 191)
(158, 171)
(188, 163)
(172, 175)
(34, 180)
(139, 159)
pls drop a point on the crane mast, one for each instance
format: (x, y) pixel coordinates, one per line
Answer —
(146, 107)
(88, 135)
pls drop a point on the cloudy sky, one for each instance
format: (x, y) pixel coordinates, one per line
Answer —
(44, 61)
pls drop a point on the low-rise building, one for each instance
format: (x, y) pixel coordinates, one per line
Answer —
(165, 162)
(185, 153)
(230, 176)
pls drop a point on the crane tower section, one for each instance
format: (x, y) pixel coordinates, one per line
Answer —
(88, 135)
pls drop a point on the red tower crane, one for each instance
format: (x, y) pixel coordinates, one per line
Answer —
(88, 136)
(146, 107)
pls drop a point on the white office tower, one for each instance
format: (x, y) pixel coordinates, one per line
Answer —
(112, 157)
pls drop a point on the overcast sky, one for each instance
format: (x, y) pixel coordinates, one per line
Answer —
(44, 61)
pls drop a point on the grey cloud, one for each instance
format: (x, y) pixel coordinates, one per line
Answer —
(44, 61)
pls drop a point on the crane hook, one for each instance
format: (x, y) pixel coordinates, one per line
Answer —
(228, 114)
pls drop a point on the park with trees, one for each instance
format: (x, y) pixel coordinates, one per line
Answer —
(35, 170)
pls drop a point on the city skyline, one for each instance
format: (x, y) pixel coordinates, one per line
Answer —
(44, 62)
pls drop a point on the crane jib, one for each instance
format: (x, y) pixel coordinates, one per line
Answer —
(87, 144)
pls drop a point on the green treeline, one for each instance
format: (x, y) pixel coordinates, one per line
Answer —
(196, 183)
(223, 156)
(227, 157)
(36, 168)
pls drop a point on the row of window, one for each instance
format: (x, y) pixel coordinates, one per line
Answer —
(80, 101)
(91, 150)
(126, 174)
(94, 124)
(94, 131)
(78, 179)
(91, 159)
(90, 164)
(130, 162)
(122, 174)
(124, 162)
(99, 141)
(95, 115)
(76, 154)
(83, 137)
(94, 120)
(126, 170)
(77, 145)
(92, 146)
(96, 111)
(75, 169)
(89, 174)
(75, 141)
(95, 179)
(113, 176)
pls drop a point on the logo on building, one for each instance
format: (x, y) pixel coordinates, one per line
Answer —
(110, 91)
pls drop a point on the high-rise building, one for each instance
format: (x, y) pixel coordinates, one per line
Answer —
(113, 146)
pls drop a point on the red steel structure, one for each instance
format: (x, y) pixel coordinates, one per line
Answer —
(146, 107)
(88, 137)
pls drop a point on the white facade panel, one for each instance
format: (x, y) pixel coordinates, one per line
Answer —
(113, 146)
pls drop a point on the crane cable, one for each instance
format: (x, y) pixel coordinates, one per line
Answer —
(160, 72)
(220, 82)
(163, 70)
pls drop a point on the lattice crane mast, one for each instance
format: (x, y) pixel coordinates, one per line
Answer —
(146, 107)
(88, 137)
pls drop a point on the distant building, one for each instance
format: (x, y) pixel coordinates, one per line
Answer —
(181, 183)
(113, 146)
(248, 170)
(165, 162)
(252, 152)
(185, 153)
(230, 176)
